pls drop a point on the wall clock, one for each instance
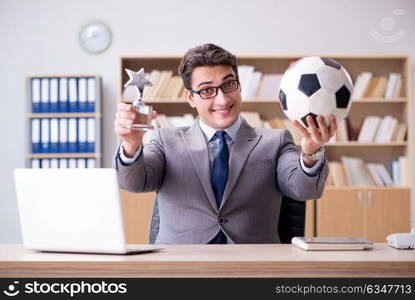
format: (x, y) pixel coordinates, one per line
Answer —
(95, 37)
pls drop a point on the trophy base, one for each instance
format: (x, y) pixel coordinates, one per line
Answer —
(141, 127)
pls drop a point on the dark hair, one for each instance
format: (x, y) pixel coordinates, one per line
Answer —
(205, 55)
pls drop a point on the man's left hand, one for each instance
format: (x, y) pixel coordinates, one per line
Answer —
(315, 137)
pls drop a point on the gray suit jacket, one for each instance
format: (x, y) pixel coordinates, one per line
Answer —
(263, 165)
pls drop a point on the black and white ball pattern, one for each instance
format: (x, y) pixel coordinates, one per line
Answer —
(315, 86)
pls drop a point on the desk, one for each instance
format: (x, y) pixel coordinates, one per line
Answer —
(268, 260)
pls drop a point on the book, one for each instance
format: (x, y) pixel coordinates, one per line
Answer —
(154, 77)
(379, 89)
(337, 173)
(371, 87)
(245, 74)
(369, 129)
(397, 88)
(269, 86)
(252, 87)
(400, 136)
(390, 86)
(361, 85)
(332, 243)
(384, 174)
(385, 126)
(403, 171)
(161, 84)
(375, 174)
(342, 133)
(356, 172)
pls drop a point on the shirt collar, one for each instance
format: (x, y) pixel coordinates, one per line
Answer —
(231, 131)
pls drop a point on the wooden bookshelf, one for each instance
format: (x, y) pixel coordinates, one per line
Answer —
(399, 107)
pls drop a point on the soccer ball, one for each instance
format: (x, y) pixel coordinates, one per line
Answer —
(315, 86)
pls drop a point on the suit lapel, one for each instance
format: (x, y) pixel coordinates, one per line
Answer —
(197, 147)
(246, 140)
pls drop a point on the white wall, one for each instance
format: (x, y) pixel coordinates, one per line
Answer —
(40, 37)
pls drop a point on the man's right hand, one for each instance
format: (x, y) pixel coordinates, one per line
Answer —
(132, 139)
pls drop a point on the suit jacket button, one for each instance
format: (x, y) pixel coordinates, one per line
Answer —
(222, 221)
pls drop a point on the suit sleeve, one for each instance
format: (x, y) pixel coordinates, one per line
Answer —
(291, 179)
(146, 173)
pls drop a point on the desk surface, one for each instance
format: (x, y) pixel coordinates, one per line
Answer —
(270, 260)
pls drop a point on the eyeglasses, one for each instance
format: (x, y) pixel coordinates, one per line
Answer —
(212, 91)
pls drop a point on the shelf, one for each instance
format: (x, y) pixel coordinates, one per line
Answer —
(64, 155)
(167, 101)
(64, 115)
(381, 100)
(59, 75)
(357, 144)
(366, 187)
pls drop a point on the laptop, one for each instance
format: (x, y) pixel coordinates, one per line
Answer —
(72, 210)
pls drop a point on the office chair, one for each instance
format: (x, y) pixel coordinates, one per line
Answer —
(290, 224)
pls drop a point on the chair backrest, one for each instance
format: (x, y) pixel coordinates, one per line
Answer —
(290, 223)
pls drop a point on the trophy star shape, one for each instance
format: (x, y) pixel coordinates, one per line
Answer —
(137, 79)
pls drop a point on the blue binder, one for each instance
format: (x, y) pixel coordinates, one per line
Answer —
(91, 92)
(82, 94)
(45, 135)
(54, 135)
(72, 135)
(35, 135)
(44, 95)
(63, 135)
(73, 94)
(63, 95)
(91, 135)
(82, 133)
(53, 95)
(35, 88)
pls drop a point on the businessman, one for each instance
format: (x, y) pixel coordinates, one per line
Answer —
(220, 180)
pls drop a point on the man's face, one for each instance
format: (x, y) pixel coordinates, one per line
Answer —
(222, 110)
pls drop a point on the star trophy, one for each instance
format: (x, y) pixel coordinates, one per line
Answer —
(137, 79)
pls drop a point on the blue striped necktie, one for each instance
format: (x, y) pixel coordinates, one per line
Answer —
(219, 177)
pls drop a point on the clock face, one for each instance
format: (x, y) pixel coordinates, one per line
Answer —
(95, 37)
